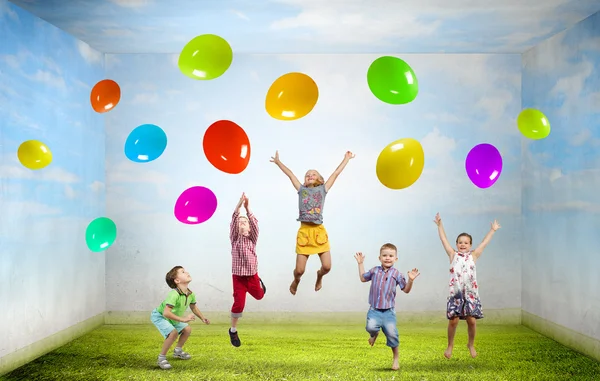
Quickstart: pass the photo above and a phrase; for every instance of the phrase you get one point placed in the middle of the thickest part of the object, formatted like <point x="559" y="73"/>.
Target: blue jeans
<point x="386" y="321"/>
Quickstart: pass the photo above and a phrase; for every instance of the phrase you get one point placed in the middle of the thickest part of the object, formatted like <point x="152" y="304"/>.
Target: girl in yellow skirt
<point x="312" y="237"/>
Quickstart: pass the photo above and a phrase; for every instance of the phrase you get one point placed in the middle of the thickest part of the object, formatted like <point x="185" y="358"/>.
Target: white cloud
<point x="582" y="137"/>
<point x="240" y="15"/>
<point x="571" y="87"/>
<point x="11" y="168"/>
<point x="5" y="9"/>
<point x="145" y="98"/>
<point x="134" y="173"/>
<point x="443" y="117"/>
<point x="26" y="208"/>
<point x="131" y="3"/>
<point x="50" y="64"/>
<point x="49" y="79"/>
<point x="111" y="61"/>
<point x="70" y="192"/>
<point x="97" y="186"/>
<point x="114" y="32"/>
<point x="92" y="56"/>
<point x="574" y="205"/>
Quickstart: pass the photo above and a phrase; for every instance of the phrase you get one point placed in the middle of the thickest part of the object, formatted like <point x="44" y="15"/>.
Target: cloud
<point x="92" y="56"/>
<point x="97" y="186"/>
<point x="565" y="206"/>
<point x="113" y="32"/>
<point x="584" y="136"/>
<point x="5" y="9"/>
<point x="11" y="168"/>
<point x="145" y="98"/>
<point x="131" y="3"/>
<point x="70" y="192"/>
<point x="127" y="172"/>
<point x="240" y="15"/>
<point x="26" y="208"/>
<point x="49" y="79"/>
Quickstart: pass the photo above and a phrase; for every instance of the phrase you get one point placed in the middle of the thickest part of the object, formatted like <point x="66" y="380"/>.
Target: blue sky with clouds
<point x="561" y="177"/>
<point x="314" y="26"/>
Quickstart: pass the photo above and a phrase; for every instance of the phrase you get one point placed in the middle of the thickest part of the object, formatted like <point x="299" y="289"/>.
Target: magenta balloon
<point x="483" y="165"/>
<point x="195" y="205"/>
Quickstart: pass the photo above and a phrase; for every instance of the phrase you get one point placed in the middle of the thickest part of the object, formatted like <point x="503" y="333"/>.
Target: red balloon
<point x="227" y="146"/>
<point x="105" y="95"/>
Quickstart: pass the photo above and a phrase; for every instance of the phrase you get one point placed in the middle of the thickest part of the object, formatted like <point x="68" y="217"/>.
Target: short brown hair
<point x="389" y="246"/>
<point x="171" y="275"/>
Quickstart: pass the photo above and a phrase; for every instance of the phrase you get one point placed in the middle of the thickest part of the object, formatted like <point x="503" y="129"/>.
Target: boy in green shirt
<point x="169" y="316"/>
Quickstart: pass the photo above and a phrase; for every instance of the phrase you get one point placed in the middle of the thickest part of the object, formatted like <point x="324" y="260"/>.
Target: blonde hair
<point x="320" y="180"/>
<point x="390" y="246"/>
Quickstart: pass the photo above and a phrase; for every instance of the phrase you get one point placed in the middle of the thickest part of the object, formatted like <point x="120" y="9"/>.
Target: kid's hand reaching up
<point x="245" y="202"/>
<point x="275" y="159"/>
<point x="360" y="258"/>
<point x="412" y="274"/>
<point x="349" y="155"/>
<point x="495" y="225"/>
<point x="437" y="219"/>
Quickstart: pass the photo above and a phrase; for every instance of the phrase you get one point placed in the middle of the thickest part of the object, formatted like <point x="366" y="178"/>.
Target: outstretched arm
<point x="252" y="221"/>
<point x="412" y="275"/>
<point x="286" y="170"/>
<point x="234" y="229"/>
<point x="488" y="237"/>
<point x="449" y="249"/>
<point x="331" y="180"/>
<point x="360" y="258"/>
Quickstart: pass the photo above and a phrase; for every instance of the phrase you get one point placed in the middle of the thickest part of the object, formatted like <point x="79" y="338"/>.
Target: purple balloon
<point x="483" y="165"/>
<point x="195" y="205"/>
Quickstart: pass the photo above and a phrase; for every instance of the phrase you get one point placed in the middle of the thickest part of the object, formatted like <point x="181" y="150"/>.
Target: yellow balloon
<point x="400" y="163"/>
<point x="292" y="96"/>
<point x="34" y="154"/>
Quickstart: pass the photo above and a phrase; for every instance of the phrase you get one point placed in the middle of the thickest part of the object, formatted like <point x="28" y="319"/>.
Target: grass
<point x="310" y="352"/>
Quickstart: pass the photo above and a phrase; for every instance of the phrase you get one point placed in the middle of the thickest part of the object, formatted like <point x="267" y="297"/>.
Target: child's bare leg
<point x="234" y="322"/>
<point x="168" y="342"/>
<point x="372" y="339"/>
<point x="185" y="334"/>
<point x="395" y="362"/>
<point x="298" y="272"/>
<point x="472" y="327"/>
<point x="452" y="324"/>
<point x="325" y="268"/>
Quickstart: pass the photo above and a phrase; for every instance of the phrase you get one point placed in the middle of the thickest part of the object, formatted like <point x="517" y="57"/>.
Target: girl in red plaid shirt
<point x="243" y="233"/>
<point x="312" y="236"/>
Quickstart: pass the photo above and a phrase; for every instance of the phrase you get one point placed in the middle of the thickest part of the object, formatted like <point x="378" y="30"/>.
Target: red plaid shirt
<point x="243" y="248"/>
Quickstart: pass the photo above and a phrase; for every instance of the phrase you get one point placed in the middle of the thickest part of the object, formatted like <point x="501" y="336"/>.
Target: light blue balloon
<point x="145" y="143"/>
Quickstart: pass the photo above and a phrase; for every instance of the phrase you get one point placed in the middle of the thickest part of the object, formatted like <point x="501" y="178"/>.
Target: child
<point x="243" y="233"/>
<point x="169" y="316"/>
<point x="382" y="296"/>
<point x="463" y="298"/>
<point x="311" y="237"/>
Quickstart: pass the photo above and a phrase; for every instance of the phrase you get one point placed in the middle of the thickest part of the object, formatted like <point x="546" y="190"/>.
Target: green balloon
<point x="533" y="124"/>
<point x="392" y="80"/>
<point x="100" y="234"/>
<point x="205" y="57"/>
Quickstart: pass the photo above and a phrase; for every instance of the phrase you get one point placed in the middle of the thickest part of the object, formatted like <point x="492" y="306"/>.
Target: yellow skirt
<point x="311" y="239"/>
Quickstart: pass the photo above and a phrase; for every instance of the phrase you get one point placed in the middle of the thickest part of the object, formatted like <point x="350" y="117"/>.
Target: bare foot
<point x="472" y="351"/>
<point x="395" y="365"/>
<point x="372" y="340"/>
<point x="294" y="286"/>
<point x="319" y="283"/>
<point x="448" y="352"/>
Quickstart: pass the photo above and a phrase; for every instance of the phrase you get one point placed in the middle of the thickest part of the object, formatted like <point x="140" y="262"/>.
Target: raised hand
<point x="360" y="258"/>
<point x="246" y="202"/>
<point x="412" y="274"/>
<point x="275" y="159"/>
<point x="495" y="225"/>
<point x="242" y="199"/>
<point x="349" y="155"/>
<point x="438" y="219"/>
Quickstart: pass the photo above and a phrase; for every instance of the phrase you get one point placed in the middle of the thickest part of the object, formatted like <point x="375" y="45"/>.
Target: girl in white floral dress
<point x="463" y="296"/>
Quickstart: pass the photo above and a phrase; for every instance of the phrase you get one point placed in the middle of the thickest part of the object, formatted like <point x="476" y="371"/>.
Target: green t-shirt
<point x="178" y="301"/>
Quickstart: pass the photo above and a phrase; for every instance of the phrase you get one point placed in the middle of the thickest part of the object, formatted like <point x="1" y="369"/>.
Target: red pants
<point x="241" y="286"/>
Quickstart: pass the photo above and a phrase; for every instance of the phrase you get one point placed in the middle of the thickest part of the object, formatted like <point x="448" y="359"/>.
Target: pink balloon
<point x="484" y="165"/>
<point x="195" y="205"/>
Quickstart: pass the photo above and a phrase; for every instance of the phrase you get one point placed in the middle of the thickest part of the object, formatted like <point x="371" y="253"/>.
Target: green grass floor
<point x="310" y="352"/>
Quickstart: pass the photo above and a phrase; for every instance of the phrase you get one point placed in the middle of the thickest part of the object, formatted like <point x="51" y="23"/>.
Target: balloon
<point x="227" y="146"/>
<point x="145" y="143"/>
<point x="292" y="96"/>
<point x="34" y="154"/>
<point x="400" y="163"/>
<point x="105" y="95"/>
<point x="205" y="57"/>
<point x="195" y="205"/>
<point x="100" y="234"/>
<point x="392" y="80"/>
<point x="533" y="124"/>
<point x="483" y="165"/>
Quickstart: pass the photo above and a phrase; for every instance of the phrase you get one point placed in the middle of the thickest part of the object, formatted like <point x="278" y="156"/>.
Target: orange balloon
<point x="227" y="146"/>
<point x="292" y="96"/>
<point x="105" y="95"/>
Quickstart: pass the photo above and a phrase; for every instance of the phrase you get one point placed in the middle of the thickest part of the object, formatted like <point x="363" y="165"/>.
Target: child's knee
<point x="299" y="271"/>
<point x="187" y="330"/>
<point x="454" y="321"/>
<point x="325" y="269"/>
<point x="471" y="321"/>
<point x="173" y="334"/>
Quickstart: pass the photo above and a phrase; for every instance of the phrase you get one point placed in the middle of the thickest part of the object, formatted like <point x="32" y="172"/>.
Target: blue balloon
<point x="145" y="143"/>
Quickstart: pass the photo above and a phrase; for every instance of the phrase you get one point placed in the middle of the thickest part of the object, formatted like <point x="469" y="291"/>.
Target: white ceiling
<point x="315" y="26"/>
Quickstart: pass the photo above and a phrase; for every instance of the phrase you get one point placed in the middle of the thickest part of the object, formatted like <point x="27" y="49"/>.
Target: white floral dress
<point x="463" y="293"/>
